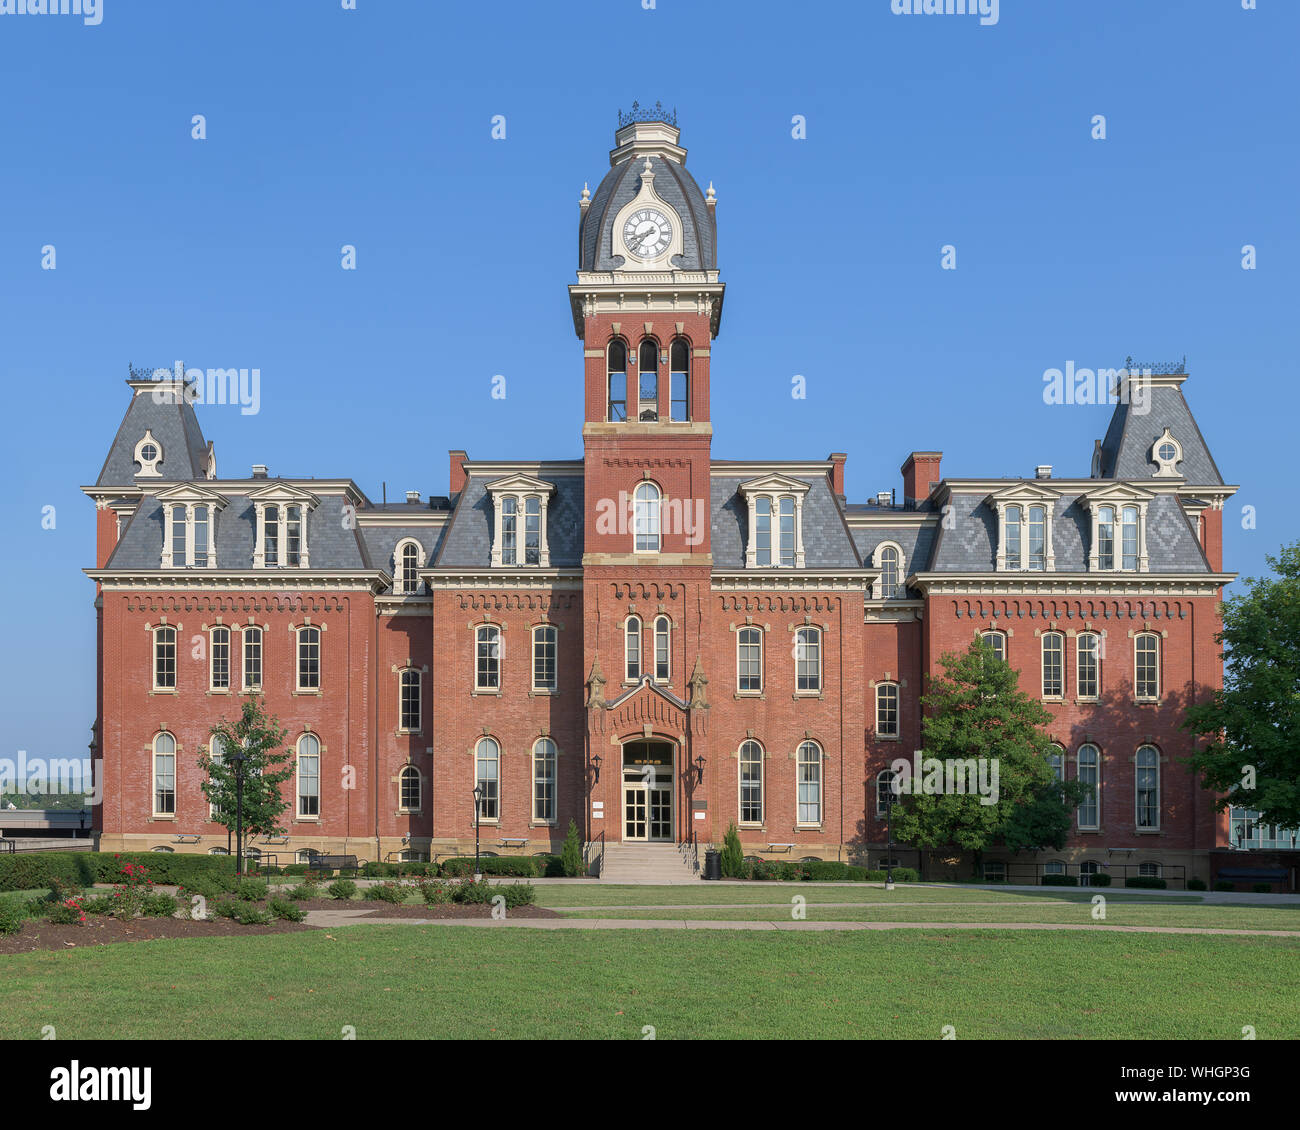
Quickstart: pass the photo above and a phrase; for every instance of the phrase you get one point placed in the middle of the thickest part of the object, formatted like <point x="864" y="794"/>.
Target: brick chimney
<point x="456" y="477"/>
<point x="837" y="459"/>
<point x="920" y="475"/>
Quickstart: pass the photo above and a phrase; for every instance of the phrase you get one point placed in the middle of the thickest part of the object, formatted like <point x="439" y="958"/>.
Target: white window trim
<point x="520" y="488"/>
<point x="985" y="632"/>
<point x="1078" y="666"/>
<point x="877" y="559"/>
<point x="1025" y="495"/>
<point x="488" y="819"/>
<point x="281" y="495"/>
<point x="192" y="498"/>
<point x="176" y="657"/>
<point x="898" y="709"/>
<point x="1166" y="468"/>
<point x="773" y="488"/>
<point x="1147" y="829"/>
<point x="1058" y="635"/>
<point x="418" y="672"/>
<point x="821" y="660"/>
<point x="1096" y="796"/>
<point x="668" y="634"/>
<point x="402" y="809"/>
<point x="230" y="658"/>
<point x="740" y="785"/>
<point x="541" y="689"/>
<point x="821" y="785"/>
<point x="297" y="777"/>
<point x="640" y="650"/>
<point x="245" y="685"/>
<point x="1159" y="661"/>
<point x="297" y="658"/>
<point x="399" y="583"/>
<point x="1118" y="496"/>
<point x="480" y="688"/>
<point x="554" y="779"/>
<point x="659" y="517"/>
<point x="153" y="776"/>
<point x="880" y="809"/>
<point x="148" y="467"/>
<point x="761" y="660"/>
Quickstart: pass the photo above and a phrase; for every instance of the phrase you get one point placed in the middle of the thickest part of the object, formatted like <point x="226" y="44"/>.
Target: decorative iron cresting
<point x="1156" y="368"/>
<point x="640" y="113"/>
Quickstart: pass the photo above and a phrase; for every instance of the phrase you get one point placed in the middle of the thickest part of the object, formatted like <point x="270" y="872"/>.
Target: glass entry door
<point x="647" y="810"/>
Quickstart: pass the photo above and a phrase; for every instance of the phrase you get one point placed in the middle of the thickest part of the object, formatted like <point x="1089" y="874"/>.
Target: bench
<point x="338" y="863"/>
<point x="781" y="847"/>
<point x="509" y="841"/>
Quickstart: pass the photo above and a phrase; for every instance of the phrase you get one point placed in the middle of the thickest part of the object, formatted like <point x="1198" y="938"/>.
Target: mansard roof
<point x="175" y="426"/>
<point x="826" y="539"/>
<point x="1135" y="427"/>
<point x="468" y="540"/>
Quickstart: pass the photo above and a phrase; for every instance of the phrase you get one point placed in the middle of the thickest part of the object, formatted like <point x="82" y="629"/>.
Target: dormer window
<point x="1024" y="528"/>
<point x="519" y="504"/>
<point x="148" y="454"/>
<point x="1118" y="541"/>
<point x="889" y="560"/>
<point x="1166" y="454"/>
<point x="281" y="518"/>
<point x="190" y="527"/>
<point x="408" y="560"/>
<point x="775" y="522"/>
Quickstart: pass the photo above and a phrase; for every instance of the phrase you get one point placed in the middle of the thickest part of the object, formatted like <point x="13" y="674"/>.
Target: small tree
<point x="267" y="765"/>
<point x="571" y="853"/>
<point x="1253" y="723"/>
<point x="732" y="859"/>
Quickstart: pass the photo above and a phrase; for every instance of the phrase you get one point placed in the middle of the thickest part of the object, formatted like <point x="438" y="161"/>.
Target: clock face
<point x="647" y="233"/>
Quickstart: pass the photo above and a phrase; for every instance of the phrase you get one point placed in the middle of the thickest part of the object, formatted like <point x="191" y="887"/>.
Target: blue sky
<point x="373" y="128"/>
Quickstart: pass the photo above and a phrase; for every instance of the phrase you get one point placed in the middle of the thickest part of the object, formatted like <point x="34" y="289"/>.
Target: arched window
<point x="997" y="641"/>
<point x="199" y="542"/>
<point x="1146" y="666"/>
<point x="808" y="660"/>
<point x="271" y="535"/>
<point x="1037" y="530"/>
<point x="308" y="777"/>
<point x="180" y="536"/>
<point x="544" y="763"/>
<point x="1150" y="870"/>
<point x="1053" y="665"/>
<point x="888" y="586"/>
<point x="763" y="530"/>
<point x="545" y="647"/>
<point x="809" y="783"/>
<point x="1054" y="867"/>
<point x="885" y="795"/>
<point x="219" y="659"/>
<point x="617" y="381"/>
<point x="1056" y="760"/>
<point x="785" y="518"/>
<point x="1087" y="869"/>
<point x="1146" y="770"/>
<point x="663" y="665"/>
<point x="1087" y="651"/>
<point x="749" y="660"/>
<point x="648" y="380"/>
<point x="1089" y="773"/>
<point x="408" y="568"/>
<point x="217" y="755"/>
<point x="1106" y="537"/>
<point x="410" y="788"/>
<point x="1129" y="538"/>
<point x="1014" y="526"/>
<point x="646" y="507"/>
<point x="252" y="658"/>
<point x="164" y="775"/>
<point x="632" y="648"/>
<point x="887" y="710"/>
<point x="487" y="658"/>
<point x="487" y="778"/>
<point x="751" y="783"/>
<point x="410" y="686"/>
<point x="164" y="658"/>
<point x="532" y="529"/>
<point x="509" y="530"/>
<point x="680" y="366"/>
<point x="309" y="658"/>
<point x="305" y="855"/>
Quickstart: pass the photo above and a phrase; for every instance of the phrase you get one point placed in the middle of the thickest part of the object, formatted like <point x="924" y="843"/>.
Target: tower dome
<point x="647" y="166"/>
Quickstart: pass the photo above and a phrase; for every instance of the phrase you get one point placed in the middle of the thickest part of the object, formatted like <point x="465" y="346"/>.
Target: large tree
<point x="267" y="765"/>
<point x="976" y="710"/>
<point x="1252" y="725"/>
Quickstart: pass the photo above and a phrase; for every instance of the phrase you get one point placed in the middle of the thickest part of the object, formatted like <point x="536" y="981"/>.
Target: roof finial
<point x="711" y="196"/>
<point x="648" y="170"/>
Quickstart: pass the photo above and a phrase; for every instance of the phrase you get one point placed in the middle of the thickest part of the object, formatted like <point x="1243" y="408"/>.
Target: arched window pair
<point x="1146" y="787"/>
<point x="808" y="783"/>
<point x="487" y="779"/>
<point x="644" y="403"/>
<point x="661" y="658"/>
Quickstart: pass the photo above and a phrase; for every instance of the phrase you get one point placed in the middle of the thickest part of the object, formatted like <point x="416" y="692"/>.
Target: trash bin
<point x="712" y="865"/>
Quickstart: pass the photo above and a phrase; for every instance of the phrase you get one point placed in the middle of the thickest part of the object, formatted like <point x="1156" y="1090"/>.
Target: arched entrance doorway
<point x="648" y="777"/>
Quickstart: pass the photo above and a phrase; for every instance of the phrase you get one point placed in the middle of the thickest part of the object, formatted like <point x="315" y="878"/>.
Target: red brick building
<point x="647" y="640"/>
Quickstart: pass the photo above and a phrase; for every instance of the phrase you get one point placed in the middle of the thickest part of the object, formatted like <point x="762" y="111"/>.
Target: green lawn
<point x="413" y="982"/>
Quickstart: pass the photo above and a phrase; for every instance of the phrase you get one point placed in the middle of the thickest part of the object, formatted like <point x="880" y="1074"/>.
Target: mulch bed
<point x="100" y="931"/>
<point x="450" y="910"/>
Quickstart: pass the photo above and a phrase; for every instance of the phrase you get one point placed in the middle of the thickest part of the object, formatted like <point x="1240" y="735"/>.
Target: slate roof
<point x="916" y="542"/>
<point x="826" y="540"/>
<point x="970" y="545"/>
<point x="176" y="428"/>
<point x="675" y="186"/>
<point x="381" y="541"/>
<point x="468" y="540"/>
<point x="330" y="544"/>
<point x="1126" y="450"/>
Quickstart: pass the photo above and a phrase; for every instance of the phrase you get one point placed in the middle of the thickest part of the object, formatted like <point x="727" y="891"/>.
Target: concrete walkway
<point x="336" y="918"/>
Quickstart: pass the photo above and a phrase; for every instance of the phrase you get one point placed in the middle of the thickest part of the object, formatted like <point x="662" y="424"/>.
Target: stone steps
<point x="645" y="863"/>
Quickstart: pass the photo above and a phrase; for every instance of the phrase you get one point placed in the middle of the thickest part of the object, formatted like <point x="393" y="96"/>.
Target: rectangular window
<point x="532" y="531"/>
<point x="545" y="646"/>
<point x="887" y="710"/>
<point x="1053" y="665"/>
<point x="662" y="654"/>
<point x="309" y="659"/>
<point x="164" y="784"/>
<point x="544" y="781"/>
<point x="808" y="660"/>
<point x="618" y="396"/>
<point x="1106" y="538"/>
<point x="1129" y="538"/>
<point x="632" y="648"/>
<point x="487" y="671"/>
<point x="200" y="554"/>
<point x="1146" y="650"/>
<point x="164" y="659"/>
<point x="293" y="535"/>
<point x="410" y="700"/>
<point x="220" y="659"/>
<point x="1089" y="774"/>
<point x="1147" y="782"/>
<point x="763" y="531"/>
<point x="810" y="784"/>
<point x="509" y="531"/>
<point x="252" y="659"/>
<point x="180" y="537"/>
<point x="1013" y="537"/>
<point x="786" y="516"/>
<point x="1037" y="538"/>
<point x="1088" y="651"/>
<point x="749" y="660"/>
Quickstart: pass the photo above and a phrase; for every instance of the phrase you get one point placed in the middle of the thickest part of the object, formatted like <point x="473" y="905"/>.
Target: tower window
<point x="679" y="407"/>
<point x="663" y="665"/>
<point x="617" y="381"/>
<point x="646" y="518"/>
<point x="632" y="648"/>
<point x="648" y="381"/>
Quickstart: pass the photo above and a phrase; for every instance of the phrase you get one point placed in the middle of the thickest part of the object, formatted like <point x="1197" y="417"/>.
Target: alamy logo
<point x="987" y="10"/>
<point x="59" y="776"/>
<point x="91" y="11"/>
<point x="75" y="1083"/>
<point x="1098" y="386"/>
<point x="929" y="776"/>
<point x="215" y="386"/>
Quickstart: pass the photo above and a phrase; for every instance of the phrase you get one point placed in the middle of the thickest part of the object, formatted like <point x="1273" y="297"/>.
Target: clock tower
<point x="647" y="305"/>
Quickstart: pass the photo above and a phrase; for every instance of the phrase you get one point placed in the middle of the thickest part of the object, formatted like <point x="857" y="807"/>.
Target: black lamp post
<point x="239" y="760"/>
<point x="595" y="764"/>
<point x="478" y="809"/>
<point x="699" y="769"/>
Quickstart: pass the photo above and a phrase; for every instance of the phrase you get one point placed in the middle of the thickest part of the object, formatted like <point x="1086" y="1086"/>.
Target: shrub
<point x="41" y="869"/>
<point x="1146" y="882"/>
<point x="468" y="891"/>
<point x="386" y="892"/>
<point x="731" y="859"/>
<point x="1196" y="884"/>
<point x="163" y="867"/>
<point x="209" y="886"/>
<point x="97" y="904"/>
<point x="571" y="854"/>
<point x="66" y="913"/>
<point x="1224" y="885"/>
<point x="305" y="891"/>
<point x="222" y="908"/>
<point x="518" y="894"/>
<point x="1101" y="879"/>
<point x="158" y="905"/>
<point x="518" y="866"/>
<point x="1262" y="888"/>
<point x="1060" y="880"/>
<point x="827" y="870"/>
<point x="283" y="908"/>
<point x="296" y="869"/>
<point x="342" y="889"/>
<point x="434" y="892"/>
<point x="251" y="890"/>
<point x="250" y="914"/>
<point x="11" y="916"/>
<point x="378" y="870"/>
